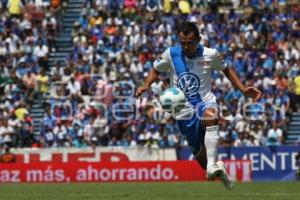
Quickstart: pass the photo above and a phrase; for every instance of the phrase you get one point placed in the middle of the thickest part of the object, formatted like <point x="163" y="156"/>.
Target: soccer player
<point x="190" y="65"/>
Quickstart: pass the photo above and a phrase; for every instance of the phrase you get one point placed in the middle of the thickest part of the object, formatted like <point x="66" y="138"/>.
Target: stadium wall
<point x="144" y="164"/>
<point x="267" y="163"/>
<point x="143" y="171"/>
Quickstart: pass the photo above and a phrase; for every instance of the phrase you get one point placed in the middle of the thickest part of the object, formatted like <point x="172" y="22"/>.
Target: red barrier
<point x="102" y="172"/>
<point x="107" y="172"/>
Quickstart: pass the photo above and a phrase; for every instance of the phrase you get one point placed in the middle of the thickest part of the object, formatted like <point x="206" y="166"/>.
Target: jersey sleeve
<point x="163" y="63"/>
<point x="218" y="62"/>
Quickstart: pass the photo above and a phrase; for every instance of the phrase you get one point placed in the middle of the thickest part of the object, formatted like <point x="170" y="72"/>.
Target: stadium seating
<point x="108" y="47"/>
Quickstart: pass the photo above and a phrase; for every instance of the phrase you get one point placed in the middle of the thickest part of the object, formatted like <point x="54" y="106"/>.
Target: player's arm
<point x="160" y="65"/>
<point x="251" y="92"/>
<point x="231" y="74"/>
<point x="219" y="64"/>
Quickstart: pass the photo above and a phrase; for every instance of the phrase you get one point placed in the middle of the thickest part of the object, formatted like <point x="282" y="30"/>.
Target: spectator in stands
<point x="15" y="7"/>
<point x="297" y="91"/>
<point x="7" y="156"/>
<point x="6" y="133"/>
<point x="152" y="132"/>
<point x="56" y="8"/>
<point x="29" y="80"/>
<point x="275" y="135"/>
<point x="41" y="52"/>
<point x="152" y="5"/>
<point x="101" y="128"/>
<point x="42" y="82"/>
<point x="49" y="137"/>
<point x="50" y="25"/>
<point x="164" y="142"/>
<point x="114" y="142"/>
<point x="21" y="112"/>
<point x="184" y="7"/>
<point x="26" y="134"/>
<point x="74" y="87"/>
<point x="151" y="143"/>
<point x="60" y="132"/>
<point x="130" y="7"/>
<point x="79" y="140"/>
<point x="128" y="141"/>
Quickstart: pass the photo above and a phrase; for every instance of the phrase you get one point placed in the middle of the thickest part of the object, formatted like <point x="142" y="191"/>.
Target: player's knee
<point x="211" y="117"/>
<point x="213" y="122"/>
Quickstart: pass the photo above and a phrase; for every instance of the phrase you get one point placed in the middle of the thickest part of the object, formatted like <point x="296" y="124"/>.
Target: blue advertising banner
<point x="276" y="163"/>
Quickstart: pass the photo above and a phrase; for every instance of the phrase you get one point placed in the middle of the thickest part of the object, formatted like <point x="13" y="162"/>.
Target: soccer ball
<point x="172" y="99"/>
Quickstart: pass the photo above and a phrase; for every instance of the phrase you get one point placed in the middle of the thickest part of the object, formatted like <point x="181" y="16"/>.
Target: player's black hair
<point x="189" y="27"/>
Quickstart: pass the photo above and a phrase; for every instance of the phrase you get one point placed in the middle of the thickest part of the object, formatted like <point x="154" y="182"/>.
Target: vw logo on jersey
<point x="189" y="83"/>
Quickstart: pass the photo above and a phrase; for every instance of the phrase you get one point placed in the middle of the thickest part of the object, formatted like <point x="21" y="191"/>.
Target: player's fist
<point x="253" y="93"/>
<point x="140" y="91"/>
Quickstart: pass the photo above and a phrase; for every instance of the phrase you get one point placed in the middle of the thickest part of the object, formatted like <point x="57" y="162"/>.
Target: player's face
<point x="189" y="43"/>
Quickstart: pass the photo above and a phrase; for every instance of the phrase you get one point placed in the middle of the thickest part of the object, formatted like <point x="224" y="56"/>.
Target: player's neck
<point x="191" y="56"/>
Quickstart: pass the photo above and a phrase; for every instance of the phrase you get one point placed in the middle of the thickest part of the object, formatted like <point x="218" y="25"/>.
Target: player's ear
<point x="199" y="38"/>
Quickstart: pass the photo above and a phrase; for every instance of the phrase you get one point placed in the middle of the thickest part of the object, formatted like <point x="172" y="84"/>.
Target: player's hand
<point x="253" y="93"/>
<point x="140" y="91"/>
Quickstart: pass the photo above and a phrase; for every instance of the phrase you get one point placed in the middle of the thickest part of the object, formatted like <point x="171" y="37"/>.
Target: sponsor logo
<point x="189" y="83"/>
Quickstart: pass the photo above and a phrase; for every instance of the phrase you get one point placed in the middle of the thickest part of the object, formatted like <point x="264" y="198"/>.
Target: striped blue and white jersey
<point x="191" y="75"/>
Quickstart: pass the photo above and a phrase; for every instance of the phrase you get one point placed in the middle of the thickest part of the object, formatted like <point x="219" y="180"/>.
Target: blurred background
<point x="69" y="69"/>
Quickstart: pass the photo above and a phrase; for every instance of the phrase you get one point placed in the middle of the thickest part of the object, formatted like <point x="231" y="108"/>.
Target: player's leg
<point x="194" y="134"/>
<point x="201" y="158"/>
<point x="200" y="142"/>
<point x="210" y="125"/>
<point x="214" y="167"/>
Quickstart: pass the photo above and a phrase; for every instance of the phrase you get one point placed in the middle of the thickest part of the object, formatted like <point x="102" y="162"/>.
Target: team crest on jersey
<point x="189" y="83"/>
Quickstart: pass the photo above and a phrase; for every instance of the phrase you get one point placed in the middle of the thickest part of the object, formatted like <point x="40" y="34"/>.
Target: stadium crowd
<point x="115" y="42"/>
<point x="27" y="32"/>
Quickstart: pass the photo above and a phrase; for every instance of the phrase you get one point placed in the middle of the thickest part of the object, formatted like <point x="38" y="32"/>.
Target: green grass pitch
<point x="152" y="191"/>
